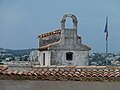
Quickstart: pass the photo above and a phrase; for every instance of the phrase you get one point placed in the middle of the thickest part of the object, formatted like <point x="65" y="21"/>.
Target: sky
<point x="21" y="21"/>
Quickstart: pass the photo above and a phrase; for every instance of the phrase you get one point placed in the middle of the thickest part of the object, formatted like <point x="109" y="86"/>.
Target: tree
<point x="118" y="59"/>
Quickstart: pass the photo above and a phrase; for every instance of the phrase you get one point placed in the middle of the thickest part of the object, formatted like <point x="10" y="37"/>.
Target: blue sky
<point x="21" y="21"/>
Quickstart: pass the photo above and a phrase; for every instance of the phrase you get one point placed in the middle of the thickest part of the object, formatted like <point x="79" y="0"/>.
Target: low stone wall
<point x="57" y="85"/>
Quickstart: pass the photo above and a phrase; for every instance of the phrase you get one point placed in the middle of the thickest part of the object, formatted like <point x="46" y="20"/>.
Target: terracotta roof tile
<point x="15" y="72"/>
<point x="50" y="33"/>
<point x="61" y="73"/>
<point x="9" y="72"/>
<point x="20" y="72"/>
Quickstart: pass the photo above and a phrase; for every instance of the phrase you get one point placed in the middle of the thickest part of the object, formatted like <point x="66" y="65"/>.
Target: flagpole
<point x="106" y="27"/>
<point x="106" y="47"/>
<point x="106" y="31"/>
<point x="106" y="52"/>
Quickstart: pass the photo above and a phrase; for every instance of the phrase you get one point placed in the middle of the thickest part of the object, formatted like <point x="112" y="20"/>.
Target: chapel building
<point x="63" y="47"/>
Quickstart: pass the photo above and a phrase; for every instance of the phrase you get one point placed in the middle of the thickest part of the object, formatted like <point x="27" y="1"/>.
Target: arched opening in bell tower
<point x="69" y="23"/>
<point x="67" y="16"/>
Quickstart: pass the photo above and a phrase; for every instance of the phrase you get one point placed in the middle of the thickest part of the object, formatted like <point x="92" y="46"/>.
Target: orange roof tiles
<point x="49" y="33"/>
<point x="62" y="73"/>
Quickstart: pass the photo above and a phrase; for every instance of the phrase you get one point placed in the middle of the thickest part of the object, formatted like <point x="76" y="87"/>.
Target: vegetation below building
<point x="96" y="59"/>
<point x="12" y="55"/>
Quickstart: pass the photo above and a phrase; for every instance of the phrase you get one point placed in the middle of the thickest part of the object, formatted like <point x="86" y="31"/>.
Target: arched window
<point x="69" y="56"/>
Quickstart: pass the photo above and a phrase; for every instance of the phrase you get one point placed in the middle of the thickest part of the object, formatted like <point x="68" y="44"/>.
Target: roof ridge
<point x="49" y="33"/>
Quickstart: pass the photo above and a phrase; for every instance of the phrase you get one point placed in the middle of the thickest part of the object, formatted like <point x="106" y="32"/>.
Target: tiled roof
<point x="49" y="33"/>
<point x="63" y="73"/>
<point x="3" y="68"/>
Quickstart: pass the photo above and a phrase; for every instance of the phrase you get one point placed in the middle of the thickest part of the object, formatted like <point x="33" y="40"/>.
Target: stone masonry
<point x="63" y="47"/>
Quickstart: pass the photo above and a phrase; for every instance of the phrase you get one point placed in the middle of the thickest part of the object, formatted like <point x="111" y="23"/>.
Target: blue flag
<point x="106" y="29"/>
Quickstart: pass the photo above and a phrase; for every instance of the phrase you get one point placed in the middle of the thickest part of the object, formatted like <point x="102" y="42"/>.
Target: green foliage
<point x="118" y="59"/>
<point x="98" y="59"/>
<point x="12" y="54"/>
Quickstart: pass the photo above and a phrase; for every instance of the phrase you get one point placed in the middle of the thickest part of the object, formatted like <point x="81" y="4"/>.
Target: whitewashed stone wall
<point x="80" y="58"/>
<point x="47" y="58"/>
<point x="69" y="42"/>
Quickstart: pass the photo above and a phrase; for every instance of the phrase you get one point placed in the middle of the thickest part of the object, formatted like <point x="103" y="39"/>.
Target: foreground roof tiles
<point x="63" y="73"/>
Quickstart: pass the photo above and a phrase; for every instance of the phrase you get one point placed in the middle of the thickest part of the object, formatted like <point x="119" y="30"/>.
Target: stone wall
<point x="47" y="58"/>
<point x="57" y="85"/>
<point x="80" y="58"/>
<point x="49" y="39"/>
<point x="69" y="41"/>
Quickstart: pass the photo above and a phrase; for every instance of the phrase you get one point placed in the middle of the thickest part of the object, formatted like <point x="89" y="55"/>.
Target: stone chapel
<point x="63" y="47"/>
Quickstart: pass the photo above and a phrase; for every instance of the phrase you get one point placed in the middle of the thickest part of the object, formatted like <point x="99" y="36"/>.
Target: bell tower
<point x="69" y="36"/>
